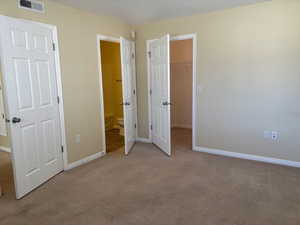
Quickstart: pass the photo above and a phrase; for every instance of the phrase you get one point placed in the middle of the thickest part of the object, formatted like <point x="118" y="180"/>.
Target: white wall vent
<point x="32" y="5"/>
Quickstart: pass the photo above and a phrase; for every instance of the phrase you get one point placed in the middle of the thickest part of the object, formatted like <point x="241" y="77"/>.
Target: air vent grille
<point x="32" y="5"/>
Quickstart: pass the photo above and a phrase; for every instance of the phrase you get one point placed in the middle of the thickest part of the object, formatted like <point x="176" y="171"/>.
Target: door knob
<point x="16" y="120"/>
<point x="166" y="103"/>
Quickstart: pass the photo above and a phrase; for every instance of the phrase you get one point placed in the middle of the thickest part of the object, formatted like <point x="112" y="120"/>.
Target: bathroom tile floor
<point x="6" y="173"/>
<point x="114" y="141"/>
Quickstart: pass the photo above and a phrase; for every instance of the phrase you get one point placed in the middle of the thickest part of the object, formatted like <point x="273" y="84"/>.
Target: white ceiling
<point x="143" y="11"/>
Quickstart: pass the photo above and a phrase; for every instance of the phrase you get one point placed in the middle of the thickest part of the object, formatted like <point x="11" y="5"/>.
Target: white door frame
<point x="59" y="87"/>
<point x="99" y="38"/>
<point x="194" y="121"/>
<point x="148" y="42"/>
<point x="3" y="131"/>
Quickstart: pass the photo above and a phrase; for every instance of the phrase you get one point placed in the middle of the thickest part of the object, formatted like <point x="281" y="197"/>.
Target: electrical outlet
<point x="274" y="135"/>
<point x="77" y="138"/>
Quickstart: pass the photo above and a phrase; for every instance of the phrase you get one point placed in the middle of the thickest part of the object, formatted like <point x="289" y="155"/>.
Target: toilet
<point x="120" y="124"/>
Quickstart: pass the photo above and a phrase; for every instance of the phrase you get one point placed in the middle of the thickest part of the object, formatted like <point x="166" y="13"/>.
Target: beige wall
<point x="181" y="56"/>
<point x="77" y="31"/>
<point x="112" y="79"/>
<point x="248" y="76"/>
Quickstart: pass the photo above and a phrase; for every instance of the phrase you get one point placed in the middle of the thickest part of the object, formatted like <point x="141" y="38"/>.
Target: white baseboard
<point x="144" y="140"/>
<point x="182" y="126"/>
<point x="5" y="149"/>
<point x="282" y="162"/>
<point x="85" y="160"/>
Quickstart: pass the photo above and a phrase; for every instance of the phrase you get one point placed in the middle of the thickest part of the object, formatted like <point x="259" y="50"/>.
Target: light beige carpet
<point x="149" y="188"/>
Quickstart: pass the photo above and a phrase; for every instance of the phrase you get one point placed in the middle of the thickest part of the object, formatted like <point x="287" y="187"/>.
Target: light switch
<point x="274" y="135"/>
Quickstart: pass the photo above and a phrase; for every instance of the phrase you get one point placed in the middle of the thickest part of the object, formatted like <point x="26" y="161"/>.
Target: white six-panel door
<point x="28" y="65"/>
<point x="159" y="59"/>
<point x="129" y="92"/>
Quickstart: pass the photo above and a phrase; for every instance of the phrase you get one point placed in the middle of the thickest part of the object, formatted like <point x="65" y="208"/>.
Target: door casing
<point x="99" y="38"/>
<point x="194" y="119"/>
<point x="59" y="89"/>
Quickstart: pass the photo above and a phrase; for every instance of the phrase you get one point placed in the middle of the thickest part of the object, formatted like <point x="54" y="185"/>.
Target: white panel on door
<point x="24" y="83"/>
<point x="48" y="139"/>
<point x="19" y="38"/>
<point x="30" y="148"/>
<point x="40" y="43"/>
<point x="29" y="73"/>
<point x="43" y="74"/>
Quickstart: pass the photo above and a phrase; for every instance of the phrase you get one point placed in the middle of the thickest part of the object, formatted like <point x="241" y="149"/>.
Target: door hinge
<point x="132" y="55"/>
<point x="53" y="46"/>
<point x="150" y="91"/>
<point x="151" y="127"/>
<point x="135" y="125"/>
<point x="149" y="54"/>
<point x="134" y="91"/>
<point x="62" y="149"/>
<point x="58" y="100"/>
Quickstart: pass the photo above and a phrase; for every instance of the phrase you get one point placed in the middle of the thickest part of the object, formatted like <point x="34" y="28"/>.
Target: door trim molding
<point x="148" y="42"/>
<point x="192" y="36"/>
<point x="194" y="121"/>
<point x="99" y="38"/>
<point x="60" y="94"/>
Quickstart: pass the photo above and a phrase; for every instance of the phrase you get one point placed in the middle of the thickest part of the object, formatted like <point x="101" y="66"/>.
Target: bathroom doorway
<point x="112" y="95"/>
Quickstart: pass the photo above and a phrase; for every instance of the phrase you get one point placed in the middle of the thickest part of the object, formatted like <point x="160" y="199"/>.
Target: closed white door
<point x="28" y="63"/>
<point x="159" y="53"/>
<point x="129" y="92"/>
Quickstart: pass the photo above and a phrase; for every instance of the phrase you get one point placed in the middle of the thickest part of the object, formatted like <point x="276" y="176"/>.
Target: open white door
<point x="29" y="72"/>
<point x="159" y="59"/>
<point x="129" y="92"/>
<point x="3" y="131"/>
